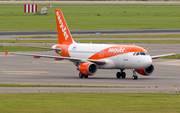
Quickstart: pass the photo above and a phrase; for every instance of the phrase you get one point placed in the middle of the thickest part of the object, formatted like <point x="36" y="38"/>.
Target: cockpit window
<point x="136" y="53"/>
<point x="140" y="53"/>
<point x="147" y="53"/>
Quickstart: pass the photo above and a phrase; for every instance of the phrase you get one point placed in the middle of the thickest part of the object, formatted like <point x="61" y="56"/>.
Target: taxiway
<point x="26" y="70"/>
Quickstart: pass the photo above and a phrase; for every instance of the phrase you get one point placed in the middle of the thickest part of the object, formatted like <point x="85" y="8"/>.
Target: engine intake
<point x="146" y="71"/>
<point x="88" y="68"/>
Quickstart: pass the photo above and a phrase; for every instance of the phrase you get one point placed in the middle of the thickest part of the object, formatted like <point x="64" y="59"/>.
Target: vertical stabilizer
<point x="64" y="35"/>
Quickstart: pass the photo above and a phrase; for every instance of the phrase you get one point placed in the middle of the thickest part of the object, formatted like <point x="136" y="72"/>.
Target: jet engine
<point x="146" y="71"/>
<point x="87" y="68"/>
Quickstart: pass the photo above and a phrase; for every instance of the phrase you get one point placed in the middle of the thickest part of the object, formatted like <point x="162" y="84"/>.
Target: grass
<point x="131" y="36"/>
<point x="93" y="41"/>
<point x="18" y="85"/>
<point x="130" y="41"/>
<point x="115" y="36"/>
<point x="39" y="37"/>
<point x="89" y="103"/>
<point x="172" y="57"/>
<point x="69" y="4"/>
<point x="29" y="41"/>
<point x="12" y="18"/>
<point x="19" y="48"/>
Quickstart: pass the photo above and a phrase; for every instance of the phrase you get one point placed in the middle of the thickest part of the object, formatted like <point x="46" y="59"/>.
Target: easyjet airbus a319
<point x="90" y="57"/>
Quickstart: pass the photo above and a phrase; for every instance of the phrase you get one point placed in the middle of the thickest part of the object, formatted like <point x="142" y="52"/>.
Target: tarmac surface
<point x="44" y="71"/>
<point x="91" y="32"/>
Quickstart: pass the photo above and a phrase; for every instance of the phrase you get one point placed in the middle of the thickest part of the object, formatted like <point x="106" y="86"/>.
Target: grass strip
<point x="130" y="41"/>
<point x="39" y="37"/>
<point x="93" y="41"/>
<point x="171" y="57"/>
<point x="89" y="103"/>
<point x="19" y="85"/>
<point x="28" y="41"/>
<point x="20" y="48"/>
<point x="99" y="4"/>
<point x="115" y="36"/>
<point x="12" y="18"/>
<point x="131" y="36"/>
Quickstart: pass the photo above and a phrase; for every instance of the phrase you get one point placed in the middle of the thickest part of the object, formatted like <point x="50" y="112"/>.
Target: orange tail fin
<point x="64" y="35"/>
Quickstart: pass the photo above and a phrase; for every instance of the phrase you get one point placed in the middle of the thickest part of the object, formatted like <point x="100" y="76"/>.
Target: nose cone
<point x="147" y="61"/>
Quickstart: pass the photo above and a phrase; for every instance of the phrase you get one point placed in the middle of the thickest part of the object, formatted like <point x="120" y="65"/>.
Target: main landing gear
<point x="82" y="75"/>
<point x="121" y="74"/>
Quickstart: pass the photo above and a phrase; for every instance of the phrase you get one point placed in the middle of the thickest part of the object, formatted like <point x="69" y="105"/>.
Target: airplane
<point x="88" y="58"/>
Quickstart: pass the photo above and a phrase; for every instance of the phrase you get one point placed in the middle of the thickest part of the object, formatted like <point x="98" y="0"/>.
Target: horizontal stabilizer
<point x="5" y="52"/>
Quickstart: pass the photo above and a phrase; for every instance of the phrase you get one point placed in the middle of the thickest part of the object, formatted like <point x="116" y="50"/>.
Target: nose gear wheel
<point x="135" y="77"/>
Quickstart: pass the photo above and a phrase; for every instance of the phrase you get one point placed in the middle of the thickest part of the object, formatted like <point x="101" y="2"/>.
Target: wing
<point x="98" y="62"/>
<point x="59" y="49"/>
<point x="157" y="56"/>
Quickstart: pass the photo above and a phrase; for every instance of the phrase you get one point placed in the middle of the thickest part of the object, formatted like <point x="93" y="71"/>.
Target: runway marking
<point x="24" y="72"/>
<point x="172" y="62"/>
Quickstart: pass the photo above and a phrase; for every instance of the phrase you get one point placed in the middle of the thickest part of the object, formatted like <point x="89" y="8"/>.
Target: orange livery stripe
<point x="116" y="50"/>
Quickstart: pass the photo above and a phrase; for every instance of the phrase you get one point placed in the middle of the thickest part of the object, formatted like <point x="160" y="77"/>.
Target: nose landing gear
<point x="135" y="77"/>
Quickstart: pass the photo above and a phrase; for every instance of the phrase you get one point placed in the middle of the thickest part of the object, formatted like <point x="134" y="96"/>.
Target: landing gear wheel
<point x="81" y="75"/>
<point x="85" y="76"/>
<point x="135" y="77"/>
<point x="118" y="74"/>
<point x="123" y="75"/>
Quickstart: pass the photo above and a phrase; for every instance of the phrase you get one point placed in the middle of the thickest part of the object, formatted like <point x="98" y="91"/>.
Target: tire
<point x="118" y="74"/>
<point x="86" y="76"/>
<point x="135" y="77"/>
<point x="81" y="75"/>
<point x="123" y="75"/>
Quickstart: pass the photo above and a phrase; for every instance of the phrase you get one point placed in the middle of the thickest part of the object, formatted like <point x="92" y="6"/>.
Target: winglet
<point x="5" y="52"/>
<point x="173" y="53"/>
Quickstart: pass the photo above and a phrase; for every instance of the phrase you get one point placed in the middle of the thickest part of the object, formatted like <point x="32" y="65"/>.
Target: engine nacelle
<point x="146" y="71"/>
<point x="88" y="68"/>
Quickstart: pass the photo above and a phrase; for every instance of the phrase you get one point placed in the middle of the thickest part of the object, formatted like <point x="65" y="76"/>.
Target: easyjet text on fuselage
<point x="116" y="50"/>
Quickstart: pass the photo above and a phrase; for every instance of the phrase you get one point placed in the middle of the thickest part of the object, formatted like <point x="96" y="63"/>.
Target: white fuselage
<point x="116" y="56"/>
